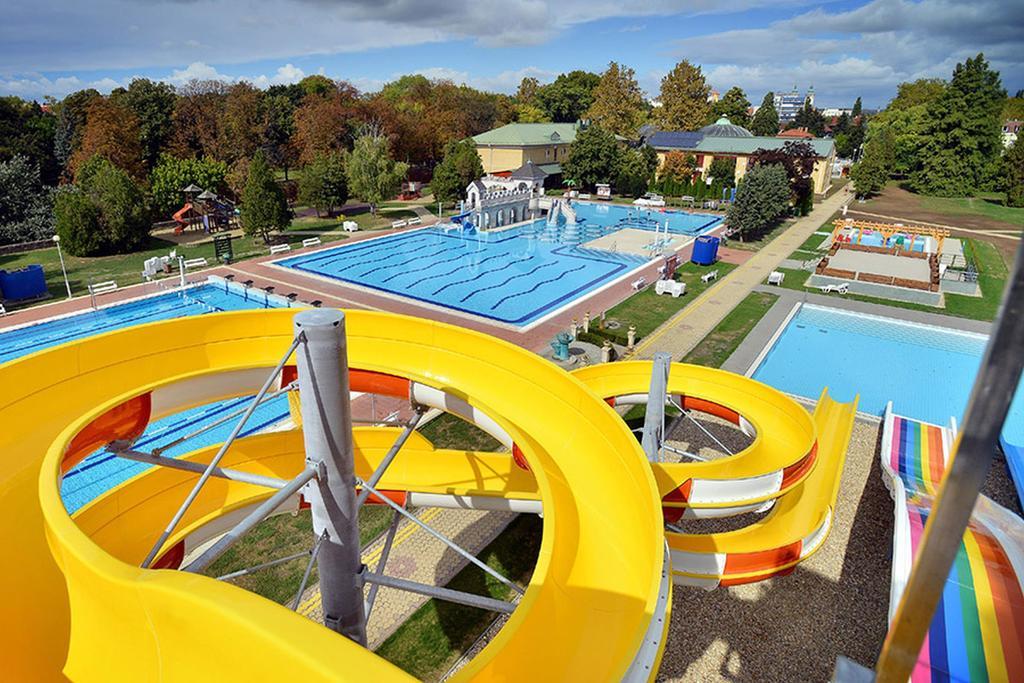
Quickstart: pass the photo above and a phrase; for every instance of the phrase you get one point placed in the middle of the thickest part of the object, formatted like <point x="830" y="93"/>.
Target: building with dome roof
<point x="724" y="139"/>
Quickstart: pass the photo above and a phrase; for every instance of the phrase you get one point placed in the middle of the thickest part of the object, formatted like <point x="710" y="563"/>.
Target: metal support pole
<point x="252" y="519"/>
<point x="460" y="597"/>
<point x="220" y="455"/>
<point x="382" y="563"/>
<point x="313" y="554"/>
<point x="989" y="403"/>
<point x="263" y="565"/>
<point x="322" y="362"/>
<point x="654" y="419"/>
<point x="199" y="468"/>
<point x="410" y="427"/>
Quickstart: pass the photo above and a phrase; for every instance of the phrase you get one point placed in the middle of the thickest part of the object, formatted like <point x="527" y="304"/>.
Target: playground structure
<point x="896" y="237"/>
<point x="895" y="256"/>
<point x="204" y="210"/>
<point x="90" y="611"/>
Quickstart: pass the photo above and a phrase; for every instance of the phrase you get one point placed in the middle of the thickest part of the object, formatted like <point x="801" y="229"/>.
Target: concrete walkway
<point x="687" y="328"/>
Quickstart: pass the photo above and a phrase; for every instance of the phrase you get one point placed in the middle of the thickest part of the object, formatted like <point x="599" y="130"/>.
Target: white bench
<point x="311" y="242"/>
<point x="639" y="283"/>
<point x="102" y="287"/>
<point x="670" y="287"/>
<point x="350" y="226"/>
<point x="708" y="277"/>
<point x="840" y="289"/>
<point x="585" y="196"/>
<point x="776" y="278"/>
<point x="191" y="263"/>
<point x="280" y="248"/>
<point x="416" y="220"/>
<point x="398" y="224"/>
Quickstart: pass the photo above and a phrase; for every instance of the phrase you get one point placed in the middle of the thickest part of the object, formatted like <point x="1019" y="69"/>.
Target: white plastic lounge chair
<point x="639" y="283"/>
<point x="3" y="311"/>
<point x="150" y="267"/>
<point x="839" y="289"/>
<point x="350" y="226"/>
<point x="776" y="278"/>
<point x="670" y="287"/>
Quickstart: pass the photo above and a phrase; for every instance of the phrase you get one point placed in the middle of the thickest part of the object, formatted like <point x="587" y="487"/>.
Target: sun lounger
<point x="670" y="287"/>
<point x="350" y="226"/>
<point x="280" y="248"/>
<point x="840" y="289"/>
<point x="708" y="277"/>
<point x="639" y="283"/>
<point x="776" y="278"/>
<point x="311" y="242"/>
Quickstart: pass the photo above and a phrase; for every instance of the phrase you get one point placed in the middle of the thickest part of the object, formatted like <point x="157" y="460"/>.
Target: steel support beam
<point x="263" y="565"/>
<point x="654" y="418"/>
<point x="375" y="477"/>
<point x="440" y="593"/>
<point x="382" y="563"/>
<point x="199" y="468"/>
<point x="322" y="361"/>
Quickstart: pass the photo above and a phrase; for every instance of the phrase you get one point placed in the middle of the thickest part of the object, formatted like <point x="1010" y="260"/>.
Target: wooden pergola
<point x="889" y="229"/>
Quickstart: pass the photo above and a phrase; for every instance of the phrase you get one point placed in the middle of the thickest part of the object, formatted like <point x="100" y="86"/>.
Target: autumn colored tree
<point x="152" y="102"/>
<point x="322" y="125"/>
<point x="70" y="113"/>
<point x="684" y="99"/>
<point x="112" y="132"/>
<point x="618" y="102"/>
<point x="678" y="166"/>
<point x="243" y="123"/>
<point x="527" y="91"/>
<point x="198" y="114"/>
<point x="797" y="159"/>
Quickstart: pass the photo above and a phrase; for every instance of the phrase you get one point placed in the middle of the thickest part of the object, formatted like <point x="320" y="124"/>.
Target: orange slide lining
<point x="124" y="421"/>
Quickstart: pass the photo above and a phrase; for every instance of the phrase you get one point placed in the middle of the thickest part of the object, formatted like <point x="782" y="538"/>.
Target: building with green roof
<point x="510" y="147"/>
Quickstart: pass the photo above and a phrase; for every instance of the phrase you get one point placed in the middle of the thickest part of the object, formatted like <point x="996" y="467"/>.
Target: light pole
<point x="60" y="254"/>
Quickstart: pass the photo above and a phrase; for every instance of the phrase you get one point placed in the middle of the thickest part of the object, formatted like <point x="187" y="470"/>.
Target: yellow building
<point x="511" y="146"/>
<point x="722" y="139"/>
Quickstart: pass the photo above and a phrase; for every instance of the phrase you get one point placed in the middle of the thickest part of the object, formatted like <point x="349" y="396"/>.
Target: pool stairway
<point x="978" y="625"/>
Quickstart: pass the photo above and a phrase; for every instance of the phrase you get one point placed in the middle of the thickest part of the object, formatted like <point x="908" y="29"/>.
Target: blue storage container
<point x="19" y="285"/>
<point x="705" y="250"/>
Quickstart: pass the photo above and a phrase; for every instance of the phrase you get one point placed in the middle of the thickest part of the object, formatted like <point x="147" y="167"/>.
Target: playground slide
<point x="588" y="613"/>
<point x="1015" y="463"/>
<point x="978" y="625"/>
<point x="180" y="213"/>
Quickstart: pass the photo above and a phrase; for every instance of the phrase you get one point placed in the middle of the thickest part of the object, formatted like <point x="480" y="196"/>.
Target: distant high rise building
<point x="788" y="104"/>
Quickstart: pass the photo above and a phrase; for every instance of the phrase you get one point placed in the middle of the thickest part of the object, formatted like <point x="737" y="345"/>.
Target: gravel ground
<point x="792" y="628"/>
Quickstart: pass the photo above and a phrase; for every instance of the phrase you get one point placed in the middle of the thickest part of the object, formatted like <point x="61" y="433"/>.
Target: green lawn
<point x="449" y="431"/>
<point x="430" y="641"/>
<point x="648" y="310"/>
<point x="754" y="245"/>
<point x="722" y="341"/>
<point x="989" y="206"/>
<point x="126" y="269"/>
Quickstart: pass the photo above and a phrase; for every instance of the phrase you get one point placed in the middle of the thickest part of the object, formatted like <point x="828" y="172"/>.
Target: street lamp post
<point x="60" y="254"/>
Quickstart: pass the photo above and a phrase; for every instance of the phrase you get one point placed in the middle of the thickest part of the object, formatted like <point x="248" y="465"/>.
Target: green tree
<point x="278" y="129"/>
<point x="766" y="119"/>
<point x="26" y="130"/>
<point x="153" y="106"/>
<point x="810" y="118"/>
<point x="323" y="184"/>
<point x="460" y="166"/>
<point x="869" y="176"/>
<point x="373" y="175"/>
<point x="1013" y="109"/>
<point x="762" y="198"/>
<point x="857" y="108"/>
<point x="797" y="159"/>
<point x="684" y="99"/>
<point x="678" y="167"/>
<point x="105" y="212"/>
<point x="618" y="102"/>
<point x="923" y="91"/>
<point x="734" y="106"/>
<point x="172" y="174"/>
<point x="26" y="205"/>
<point x="568" y="98"/>
<point x="527" y="113"/>
<point x="1013" y="180"/>
<point x="723" y="169"/>
<point x="593" y="157"/>
<point x="264" y="207"/>
<point x="70" y="113"/>
<point x="633" y="174"/>
<point x="527" y="91"/>
<point x="962" y="133"/>
<point x="317" y="84"/>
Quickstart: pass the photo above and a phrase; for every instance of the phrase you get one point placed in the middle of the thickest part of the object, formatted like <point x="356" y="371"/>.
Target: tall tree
<point x="173" y="174"/>
<point x="527" y="91"/>
<point x="1013" y="165"/>
<point x="678" y="167"/>
<point x="323" y="184"/>
<point x="762" y="198"/>
<point x="923" y="91"/>
<point x="264" y="207"/>
<point x="869" y="176"/>
<point x="26" y="205"/>
<point x="243" y="121"/>
<point x="112" y="132"/>
<point x="569" y="97"/>
<point x="857" y="108"/>
<point x="71" y="112"/>
<point x="105" y="212"/>
<point x="962" y="134"/>
<point x="593" y="157"/>
<point x="322" y="125"/>
<point x="633" y="174"/>
<point x="153" y="106"/>
<point x="461" y="166"/>
<point x="684" y="99"/>
<point x="26" y="130"/>
<point x="734" y="106"/>
<point x="317" y="84"/>
<point x="618" y="102"/>
<point x="723" y="169"/>
<point x="809" y="118"/>
<point x="797" y="159"/>
<point x="766" y="119"/>
<point x="527" y="113"/>
<point x="278" y="129"/>
<point x="373" y="175"/>
<point x="198" y="115"/>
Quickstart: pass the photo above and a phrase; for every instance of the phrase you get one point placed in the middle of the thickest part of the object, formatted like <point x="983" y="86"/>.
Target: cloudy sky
<point x="844" y="48"/>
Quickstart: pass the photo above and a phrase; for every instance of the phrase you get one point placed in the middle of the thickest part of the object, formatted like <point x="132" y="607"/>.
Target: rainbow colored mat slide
<point x="977" y="631"/>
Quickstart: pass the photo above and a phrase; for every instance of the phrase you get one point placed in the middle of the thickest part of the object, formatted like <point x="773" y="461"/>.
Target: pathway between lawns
<point x="681" y="333"/>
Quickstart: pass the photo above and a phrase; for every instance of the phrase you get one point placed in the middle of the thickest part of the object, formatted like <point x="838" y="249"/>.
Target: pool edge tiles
<point x="620" y="268"/>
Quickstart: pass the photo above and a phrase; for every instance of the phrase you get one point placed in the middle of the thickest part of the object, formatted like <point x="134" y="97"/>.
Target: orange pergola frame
<point x="890" y="229"/>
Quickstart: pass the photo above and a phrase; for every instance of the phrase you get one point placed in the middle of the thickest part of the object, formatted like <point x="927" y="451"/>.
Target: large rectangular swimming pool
<point x="516" y="276"/>
<point x="926" y="371"/>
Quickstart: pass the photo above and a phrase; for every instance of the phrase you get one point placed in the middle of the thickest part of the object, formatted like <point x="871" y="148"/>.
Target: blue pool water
<point x="206" y="298"/>
<point x="514" y="276"/>
<point x="615" y="217"/>
<point x="927" y="372"/>
<point x="875" y="239"/>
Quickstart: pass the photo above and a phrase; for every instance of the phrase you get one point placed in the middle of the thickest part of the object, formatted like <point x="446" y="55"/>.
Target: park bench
<point x="101" y="288"/>
<point x="311" y="242"/>
<point x="708" y="277"/>
<point x="191" y="263"/>
<point x="415" y="220"/>
<point x="280" y="248"/>
<point x="398" y="224"/>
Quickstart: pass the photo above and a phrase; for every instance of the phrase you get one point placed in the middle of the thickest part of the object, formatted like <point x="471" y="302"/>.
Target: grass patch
<point x="722" y="341"/>
<point x="280" y="536"/>
<point x="449" y="431"/>
<point x="990" y="207"/>
<point x="648" y="311"/>
<point x="430" y="641"/>
<point x="756" y="244"/>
